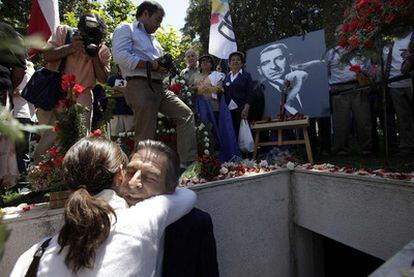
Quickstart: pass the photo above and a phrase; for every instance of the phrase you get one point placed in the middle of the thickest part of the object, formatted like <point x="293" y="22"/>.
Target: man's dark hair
<point x="173" y="161"/>
<point x="285" y="51"/>
<point x="150" y="6"/>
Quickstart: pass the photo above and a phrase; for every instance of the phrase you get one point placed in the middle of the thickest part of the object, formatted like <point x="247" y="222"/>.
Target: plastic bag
<point x="246" y="142"/>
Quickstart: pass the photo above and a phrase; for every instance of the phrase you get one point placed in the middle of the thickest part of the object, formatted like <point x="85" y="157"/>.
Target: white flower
<point x="185" y="88"/>
<point x="290" y="165"/>
<point x="201" y="126"/>
<point x="205" y="133"/>
<point x="130" y="134"/>
<point x="188" y="94"/>
<point x="182" y="81"/>
<point x="206" y="152"/>
<point x="172" y="130"/>
<point x="189" y="102"/>
<point x="157" y="131"/>
<point x="159" y="122"/>
<point x="207" y="144"/>
<point x="224" y="170"/>
<point x="121" y="135"/>
<point x="167" y="131"/>
<point x="206" y="139"/>
<point x="263" y="163"/>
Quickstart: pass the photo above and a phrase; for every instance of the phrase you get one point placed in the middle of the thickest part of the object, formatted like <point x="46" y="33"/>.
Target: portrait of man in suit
<point x="276" y="67"/>
<point x="299" y="60"/>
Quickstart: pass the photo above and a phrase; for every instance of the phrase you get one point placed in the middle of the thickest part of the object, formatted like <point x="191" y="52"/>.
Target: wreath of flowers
<point x="368" y="22"/>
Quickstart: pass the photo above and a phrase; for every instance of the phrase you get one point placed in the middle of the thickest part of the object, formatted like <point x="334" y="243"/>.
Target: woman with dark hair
<point x="238" y="90"/>
<point x="211" y="107"/>
<point x="101" y="238"/>
<point x="208" y="83"/>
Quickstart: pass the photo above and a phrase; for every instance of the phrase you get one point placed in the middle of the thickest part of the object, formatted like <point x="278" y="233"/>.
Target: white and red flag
<point x="44" y="18"/>
<point x="222" y="41"/>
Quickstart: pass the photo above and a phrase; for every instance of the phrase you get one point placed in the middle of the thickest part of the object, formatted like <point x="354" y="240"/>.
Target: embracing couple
<point x="115" y="221"/>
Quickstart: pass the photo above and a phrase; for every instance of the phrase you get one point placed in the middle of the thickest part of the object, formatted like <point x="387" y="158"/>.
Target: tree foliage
<point x="259" y="22"/>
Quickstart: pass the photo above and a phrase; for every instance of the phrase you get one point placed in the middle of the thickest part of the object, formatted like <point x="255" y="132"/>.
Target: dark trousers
<point x="22" y="148"/>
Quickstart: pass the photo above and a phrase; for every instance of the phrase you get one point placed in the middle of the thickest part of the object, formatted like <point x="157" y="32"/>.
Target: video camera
<point x="166" y="61"/>
<point x="90" y="34"/>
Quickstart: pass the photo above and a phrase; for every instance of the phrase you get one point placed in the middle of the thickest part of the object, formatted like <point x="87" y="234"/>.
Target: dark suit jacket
<point x="190" y="247"/>
<point x="240" y="90"/>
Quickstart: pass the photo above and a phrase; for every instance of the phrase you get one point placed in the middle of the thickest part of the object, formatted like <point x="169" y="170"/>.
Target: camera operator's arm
<point x="59" y="49"/>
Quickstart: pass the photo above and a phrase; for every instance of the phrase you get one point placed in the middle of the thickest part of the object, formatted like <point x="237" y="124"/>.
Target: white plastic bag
<point x="246" y="142"/>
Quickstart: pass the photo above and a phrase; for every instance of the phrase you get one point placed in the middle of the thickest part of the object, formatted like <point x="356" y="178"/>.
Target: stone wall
<point x="250" y="217"/>
<point x="263" y="223"/>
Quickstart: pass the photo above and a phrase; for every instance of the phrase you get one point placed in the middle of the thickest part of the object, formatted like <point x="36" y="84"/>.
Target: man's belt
<point x="142" y="78"/>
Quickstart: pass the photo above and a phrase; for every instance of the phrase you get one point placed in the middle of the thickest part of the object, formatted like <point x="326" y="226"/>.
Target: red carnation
<point x="96" y="133"/>
<point x="344" y="28"/>
<point x="355" y="68"/>
<point x="68" y="80"/>
<point x="353" y="41"/>
<point x="78" y="89"/>
<point x="387" y="18"/>
<point x="176" y="88"/>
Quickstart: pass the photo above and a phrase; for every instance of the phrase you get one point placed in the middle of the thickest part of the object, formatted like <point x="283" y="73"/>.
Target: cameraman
<point x="135" y="46"/>
<point x="86" y="57"/>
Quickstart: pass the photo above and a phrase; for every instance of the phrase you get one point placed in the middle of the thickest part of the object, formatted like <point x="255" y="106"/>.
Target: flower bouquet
<point x="369" y="22"/>
<point x="47" y="175"/>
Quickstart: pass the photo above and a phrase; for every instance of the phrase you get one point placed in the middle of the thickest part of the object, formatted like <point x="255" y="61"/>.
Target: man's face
<point x="145" y="176"/>
<point x="273" y="65"/>
<point x="153" y="22"/>
<point x="191" y="59"/>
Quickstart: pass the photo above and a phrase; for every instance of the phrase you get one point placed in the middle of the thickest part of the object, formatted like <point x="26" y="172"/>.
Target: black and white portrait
<point x="299" y="61"/>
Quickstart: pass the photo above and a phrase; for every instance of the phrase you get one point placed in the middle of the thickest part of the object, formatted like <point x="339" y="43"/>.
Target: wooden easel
<point x="302" y="124"/>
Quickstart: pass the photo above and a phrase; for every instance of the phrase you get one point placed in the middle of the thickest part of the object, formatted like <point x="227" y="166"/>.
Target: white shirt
<point x="131" y="44"/>
<point x="234" y="76"/>
<point x="339" y="72"/>
<point x="396" y="61"/>
<point x="22" y="108"/>
<point x="131" y="247"/>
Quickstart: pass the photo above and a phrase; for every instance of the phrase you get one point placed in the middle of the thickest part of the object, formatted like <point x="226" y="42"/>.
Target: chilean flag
<point x="44" y="18"/>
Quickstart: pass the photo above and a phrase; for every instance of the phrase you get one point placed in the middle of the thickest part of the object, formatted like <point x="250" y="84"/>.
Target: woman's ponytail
<point x="87" y="226"/>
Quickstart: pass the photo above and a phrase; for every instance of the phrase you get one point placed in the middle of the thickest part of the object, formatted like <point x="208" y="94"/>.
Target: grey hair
<point x="283" y="47"/>
<point x="173" y="161"/>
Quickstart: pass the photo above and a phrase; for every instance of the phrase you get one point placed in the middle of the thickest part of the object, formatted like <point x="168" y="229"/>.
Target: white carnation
<point x="206" y="152"/>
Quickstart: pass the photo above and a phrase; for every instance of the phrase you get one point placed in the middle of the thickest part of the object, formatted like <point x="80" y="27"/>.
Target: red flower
<point x="362" y="3"/>
<point x="370" y="27"/>
<point x="343" y="42"/>
<point x="56" y="128"/>
<point x="96" y="133"/>
<point x="344" y="28"/>
<point x="355" y="68"/>
<point x="369" y="43"/>
<point x="53" y="151"/>
<point x="353" y="41"/>
<point x="399" y="3"/>
<point x="176" y="88"/>
<point x="68" y="80"/>
<point x="346" y="13"/>
<point x="78" y="89"/>
<point x="387" y="18"/>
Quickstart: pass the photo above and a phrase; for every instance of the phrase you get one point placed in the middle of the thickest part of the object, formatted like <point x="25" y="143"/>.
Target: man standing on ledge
<point x="134" y="45"/>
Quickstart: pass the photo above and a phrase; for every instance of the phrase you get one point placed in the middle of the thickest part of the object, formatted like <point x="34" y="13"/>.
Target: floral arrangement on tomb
<point x="368" y="22"/>
<point x="69" y="127"/>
